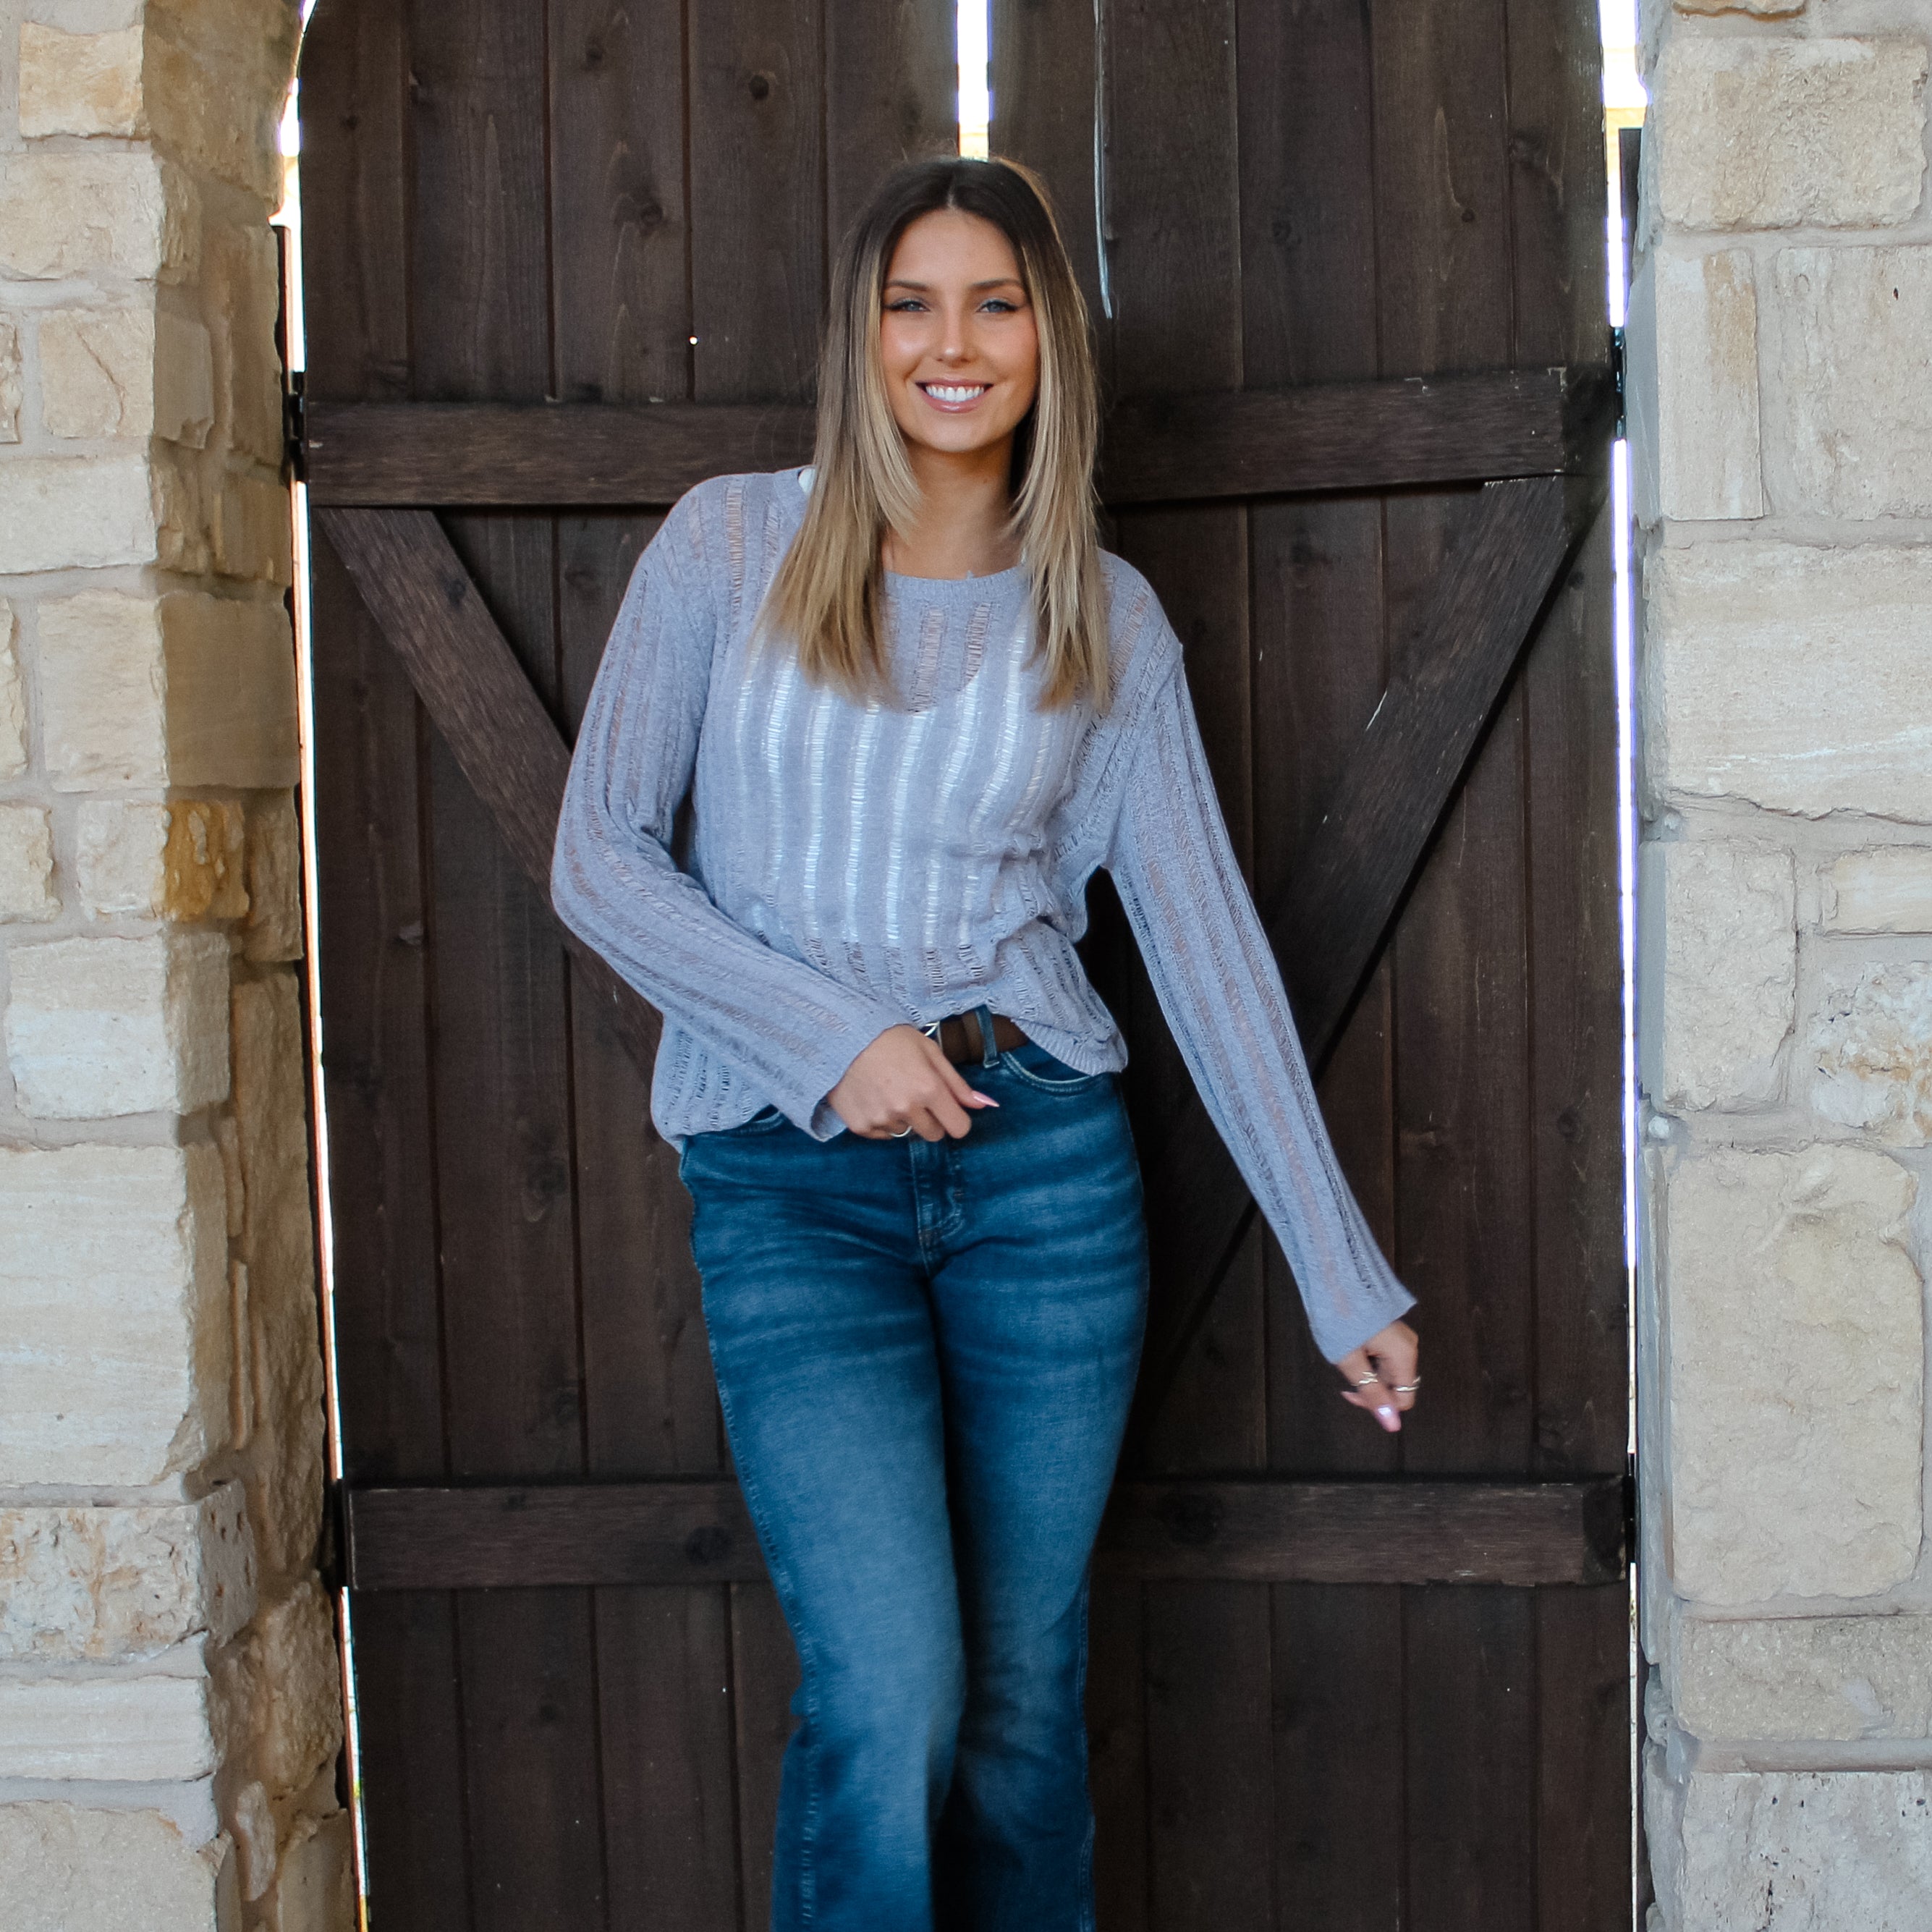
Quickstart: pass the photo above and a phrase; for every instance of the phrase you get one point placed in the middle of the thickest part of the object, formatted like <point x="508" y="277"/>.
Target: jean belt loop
<point x="989" y="1047"/>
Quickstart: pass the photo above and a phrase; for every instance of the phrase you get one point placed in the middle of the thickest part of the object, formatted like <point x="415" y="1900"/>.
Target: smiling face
<point x="958" y="340"/>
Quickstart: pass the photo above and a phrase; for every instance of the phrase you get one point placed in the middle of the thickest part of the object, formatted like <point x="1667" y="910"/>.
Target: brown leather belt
<point x="959" y="1039"/>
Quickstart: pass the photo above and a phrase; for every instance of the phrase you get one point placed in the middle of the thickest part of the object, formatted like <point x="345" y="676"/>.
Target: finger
<point x="926" y="1124"/>
<point x="951" y="1116"/>
<point x="1367" y="1388"/>
<point x="962" y="1089"/>
<point x="1397" y="1365"/>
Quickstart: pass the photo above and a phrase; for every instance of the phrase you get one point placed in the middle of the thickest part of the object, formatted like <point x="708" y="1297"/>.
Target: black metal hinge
<point x="1617" y="375"/>
<point x="1629" y="1512"/>
<point x="294" y="427"/>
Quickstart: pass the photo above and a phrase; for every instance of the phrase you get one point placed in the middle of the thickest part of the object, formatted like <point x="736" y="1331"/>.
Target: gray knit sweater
<point x="851" y="867"/>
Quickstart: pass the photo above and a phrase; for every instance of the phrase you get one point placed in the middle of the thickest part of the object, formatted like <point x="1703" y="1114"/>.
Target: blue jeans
<point x="925" y="1354"/>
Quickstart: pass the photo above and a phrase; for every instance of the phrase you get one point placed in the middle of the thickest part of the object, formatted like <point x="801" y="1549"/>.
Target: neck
<point x="963" y="511"/>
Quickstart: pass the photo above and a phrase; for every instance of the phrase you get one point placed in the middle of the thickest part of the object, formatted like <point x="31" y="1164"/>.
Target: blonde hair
<point x="825" y="596"/>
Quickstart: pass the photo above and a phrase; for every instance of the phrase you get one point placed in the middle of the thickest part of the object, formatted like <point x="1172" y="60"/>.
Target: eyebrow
<point x="997" y="282"/>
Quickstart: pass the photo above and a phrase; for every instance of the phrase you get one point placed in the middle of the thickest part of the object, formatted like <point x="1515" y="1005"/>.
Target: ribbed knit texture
<point x="852" y="867"/>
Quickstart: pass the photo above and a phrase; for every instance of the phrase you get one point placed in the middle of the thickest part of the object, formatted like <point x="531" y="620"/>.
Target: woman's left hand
<point x="1381" y="1375"/>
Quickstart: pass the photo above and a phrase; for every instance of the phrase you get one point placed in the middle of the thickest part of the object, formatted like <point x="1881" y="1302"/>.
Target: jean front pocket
<point x="763" y="1122"/>
<point x="1032" y="1065"/>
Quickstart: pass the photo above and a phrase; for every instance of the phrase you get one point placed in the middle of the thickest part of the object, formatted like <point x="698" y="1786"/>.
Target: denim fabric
<point x="925" y="1354"/>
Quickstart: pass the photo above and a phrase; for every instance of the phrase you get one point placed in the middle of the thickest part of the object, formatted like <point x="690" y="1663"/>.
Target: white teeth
<point x="954" y="392"/>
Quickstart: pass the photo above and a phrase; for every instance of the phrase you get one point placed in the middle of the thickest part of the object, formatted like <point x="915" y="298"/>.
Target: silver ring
<point x="1407" y="1388"/>
<point x="900" y="1133"/>
<point x="1363" y="1382"/>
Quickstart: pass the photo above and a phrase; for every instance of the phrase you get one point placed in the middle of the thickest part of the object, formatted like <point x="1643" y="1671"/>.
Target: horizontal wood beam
<point x="1259" y="1530"/>
<point x="1321" y="437"/>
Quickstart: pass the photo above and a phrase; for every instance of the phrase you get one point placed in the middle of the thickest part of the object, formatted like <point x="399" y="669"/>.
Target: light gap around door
<point x="1624" y="102"/>
<point x="288" y="219"/>
<point x="973" y="33"/>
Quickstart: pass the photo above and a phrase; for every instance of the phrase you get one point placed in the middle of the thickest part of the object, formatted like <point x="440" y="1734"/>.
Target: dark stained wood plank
<point x="481" y="278"/>
<point x="531" y="1770"/>
<point x="757" y="198"/>
<point x="1209" y="1756"/>
<point x="650" y="1406"/>
<point x="434" y="616"/>
<point x="1570" y="798"/>
<point x="1334" y="435"/>
<point x="353" y="103"/>
<point x="562" y="454"/>
<point x="410" y="1729"/>
<point x="1250" y="1530"/>
<point x="620" y="233"/>
<point x="1046" y="77"/>
<point x="1117" y="1753"/>
<point x="1446" y="294"/>
<point x="891" y="95"/>
<point x="1338" y="1758"/>
<point x="664" y="1683"/>
<point x="1161" y="448"/>
<point x="1583" y="1746"/>
<point x="765" y="1673"/>
<point x="371" y="911"/>
<point x="1308" y="264"/>
<point x="1472" y="1761"/>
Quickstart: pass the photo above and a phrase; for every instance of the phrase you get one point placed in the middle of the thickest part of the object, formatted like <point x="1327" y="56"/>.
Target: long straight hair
<point x="825" y="597"/>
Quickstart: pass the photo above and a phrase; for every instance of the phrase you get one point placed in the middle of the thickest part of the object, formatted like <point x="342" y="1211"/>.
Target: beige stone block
<point x="1883" y="889"/>
<point x="253" y="538"/>
<point x="1870" y="1043"/>
<point x="27" y="864"/>
<point x="13" y="700"/>
<point x="218" y="75"/>
<point x="1805" y="1852"/>
<point x="76" y="512"/>
<point x="1794" y="1336"/>
<point x="274" y="931"/>
<point x="242" y="284"/>
<point x="1786" y="133"/>
<point x="186" y="689"/>
<point x="11" y="380"/>
<point x="183" y="860"/>
<point x="1800" y="679"/>
<point x="127" y="372"/>
<point x="1765" y="9"/>
<point x="1854" y="379"/>
<point x="131" y="1582"/>
<point x="1802" y="1679"/>
<point x="1691" y="342"/>
<point x="105" y="690"/>
<point x="316" y="1889"/>
<point x="279" y="1692"/>
<point x="1719" y="925"/>
<point x="285" y="1470"/>
<point x="80" y="83"/>
<point x="132" y="1728"/>
<point x="114" y="1317"/>
<point x="70" y="1868"/>
<point x="85" y="211"/>
<point x="97" y="1028"/>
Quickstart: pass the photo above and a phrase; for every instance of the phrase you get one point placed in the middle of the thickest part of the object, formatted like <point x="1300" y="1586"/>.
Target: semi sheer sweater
<point x="852" y="866"/>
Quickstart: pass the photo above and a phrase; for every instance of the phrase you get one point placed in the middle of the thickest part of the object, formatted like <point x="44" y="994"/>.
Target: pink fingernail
<point x="984" y="1099"/>
<point x="1388" y="1418"/>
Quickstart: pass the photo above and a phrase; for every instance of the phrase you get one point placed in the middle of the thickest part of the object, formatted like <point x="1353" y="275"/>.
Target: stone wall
<point x="169" y="1694"/>
<point x="1780" y="340"/>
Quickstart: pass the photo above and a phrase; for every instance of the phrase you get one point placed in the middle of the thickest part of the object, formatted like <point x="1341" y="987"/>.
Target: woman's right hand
<point x="902" y="1080"/>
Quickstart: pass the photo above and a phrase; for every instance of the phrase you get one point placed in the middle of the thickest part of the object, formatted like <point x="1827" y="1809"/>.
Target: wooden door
<point x="562" y="261"/>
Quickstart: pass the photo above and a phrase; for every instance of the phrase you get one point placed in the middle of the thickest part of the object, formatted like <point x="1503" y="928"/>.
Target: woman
<point x="914" y="708"/>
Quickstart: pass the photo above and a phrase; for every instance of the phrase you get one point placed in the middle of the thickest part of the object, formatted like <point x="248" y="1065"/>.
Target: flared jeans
<point x="925" y="1354"/>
